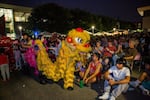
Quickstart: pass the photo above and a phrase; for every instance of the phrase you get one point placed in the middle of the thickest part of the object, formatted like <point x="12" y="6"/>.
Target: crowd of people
<point x="119" y="56"/>
<point x="112" y="58"/>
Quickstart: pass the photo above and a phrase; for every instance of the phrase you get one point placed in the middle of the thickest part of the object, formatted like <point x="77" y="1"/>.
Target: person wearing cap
<point x="117" y="78"/>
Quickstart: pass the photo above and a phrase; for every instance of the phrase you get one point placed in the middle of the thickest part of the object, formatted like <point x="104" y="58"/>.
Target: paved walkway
<point x="22" y="87"/>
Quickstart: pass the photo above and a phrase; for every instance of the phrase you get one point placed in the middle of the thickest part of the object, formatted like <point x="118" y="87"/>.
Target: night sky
<point x="122" y="9"/>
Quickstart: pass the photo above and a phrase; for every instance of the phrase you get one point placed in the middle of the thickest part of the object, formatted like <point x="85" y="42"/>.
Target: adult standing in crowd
<point x="23" y="47"/>
<point x="30" y="55"/>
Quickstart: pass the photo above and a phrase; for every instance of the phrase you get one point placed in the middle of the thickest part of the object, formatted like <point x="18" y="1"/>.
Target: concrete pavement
<point x="22" y="87"/>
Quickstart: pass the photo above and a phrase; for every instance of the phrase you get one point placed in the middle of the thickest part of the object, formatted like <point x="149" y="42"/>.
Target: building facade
<point x="16" y="18"/>
<point x="145" y="13"/>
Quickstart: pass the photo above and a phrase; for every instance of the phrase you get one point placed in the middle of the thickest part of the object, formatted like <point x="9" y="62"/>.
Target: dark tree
<point x="49" y="17"/>
<point x="54" y="18"/>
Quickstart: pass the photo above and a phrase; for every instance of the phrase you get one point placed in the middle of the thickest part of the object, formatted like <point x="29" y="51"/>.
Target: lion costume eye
<point x="78" y="40"/>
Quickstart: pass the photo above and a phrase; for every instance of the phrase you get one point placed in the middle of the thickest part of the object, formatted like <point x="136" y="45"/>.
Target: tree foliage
<point x="54" y="18"/>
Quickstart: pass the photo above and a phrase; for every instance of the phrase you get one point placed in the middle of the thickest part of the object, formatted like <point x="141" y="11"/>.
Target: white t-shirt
<point x="119" y="74"/>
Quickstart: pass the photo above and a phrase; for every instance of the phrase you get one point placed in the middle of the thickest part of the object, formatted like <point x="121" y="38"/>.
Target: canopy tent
<point x="46" y="34"/>
<point x="98" y="34"/>
<point x="89" y="32"/>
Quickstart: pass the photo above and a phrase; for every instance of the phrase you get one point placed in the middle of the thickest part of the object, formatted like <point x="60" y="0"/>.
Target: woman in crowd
<point x="30" y="55"/>
<point x="109" y="51"/>
<point x="118" y="54"/>
<point x="98" y="48"/>
<point x="105" y="64"/>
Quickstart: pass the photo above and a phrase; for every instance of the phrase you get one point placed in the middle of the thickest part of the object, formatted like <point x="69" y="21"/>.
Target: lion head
<point x="79" y="39"/>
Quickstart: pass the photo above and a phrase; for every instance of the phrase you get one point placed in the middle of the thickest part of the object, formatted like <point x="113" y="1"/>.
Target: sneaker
<point x="112" y="98"/>
<point x="146" y="92"/>
<point x="104" y="96"/>
<point x="131" y="89"/>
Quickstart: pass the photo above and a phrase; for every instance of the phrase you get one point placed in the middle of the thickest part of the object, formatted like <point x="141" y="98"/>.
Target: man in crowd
<point x="117" y="78"/>
<point x="131" y="53"/>
<point x="143" y="82"/>
<point x="23" y="49"/>
<point x="23" y="44"/>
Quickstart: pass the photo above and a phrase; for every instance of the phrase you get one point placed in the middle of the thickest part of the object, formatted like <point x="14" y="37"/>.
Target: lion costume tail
<point x="44" y="63"/>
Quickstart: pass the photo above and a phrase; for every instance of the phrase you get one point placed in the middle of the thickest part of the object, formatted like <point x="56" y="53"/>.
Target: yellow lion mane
<point x="76" y="41"/>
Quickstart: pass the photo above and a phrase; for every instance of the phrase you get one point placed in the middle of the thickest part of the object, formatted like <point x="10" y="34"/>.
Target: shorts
<point x="146" y="84"/>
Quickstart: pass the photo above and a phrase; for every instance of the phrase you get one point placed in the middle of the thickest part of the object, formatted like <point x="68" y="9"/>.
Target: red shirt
<point x="107" y="53"/>
<point x="93" y="67"/>
<point x="3" y="59"/>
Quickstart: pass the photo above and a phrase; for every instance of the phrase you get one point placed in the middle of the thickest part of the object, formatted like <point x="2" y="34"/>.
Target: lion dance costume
<point x="77" y="41"/>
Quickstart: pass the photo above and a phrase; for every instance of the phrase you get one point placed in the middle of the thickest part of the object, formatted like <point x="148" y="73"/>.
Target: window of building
<point x="9" y="22"/>
<point x="1" y="12"/>
<point x="21" y="17"/>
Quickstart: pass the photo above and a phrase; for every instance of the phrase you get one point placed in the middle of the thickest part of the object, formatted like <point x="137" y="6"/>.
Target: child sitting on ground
<point x="81" y="66"/>
<point x="93" y="69"/>
<point x="143" y="82"/>
<point x="80" y="70"/>
<point x="4" y="66"/>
